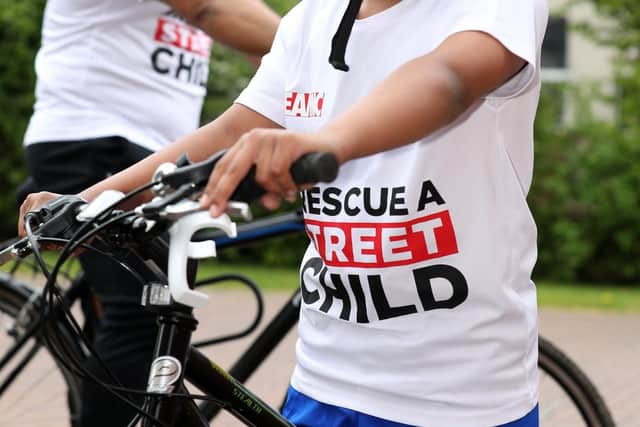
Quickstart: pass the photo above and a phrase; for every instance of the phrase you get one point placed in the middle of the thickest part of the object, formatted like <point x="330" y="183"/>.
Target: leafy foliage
<point x="19" y="40"/>
<point x="586" y="193"/>
<point x="585" y="197"/>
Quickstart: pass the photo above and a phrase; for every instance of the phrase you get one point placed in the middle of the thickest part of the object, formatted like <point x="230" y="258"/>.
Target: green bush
<point x="19" y="40"/>
<point x="586" y="196"/>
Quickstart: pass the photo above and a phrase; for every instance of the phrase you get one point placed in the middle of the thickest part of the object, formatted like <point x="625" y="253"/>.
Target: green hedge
<point x="19" y="40"/>
<point x="586" y="196"/>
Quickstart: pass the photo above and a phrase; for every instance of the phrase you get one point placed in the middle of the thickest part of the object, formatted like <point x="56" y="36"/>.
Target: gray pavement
<point x="605" y="345"/>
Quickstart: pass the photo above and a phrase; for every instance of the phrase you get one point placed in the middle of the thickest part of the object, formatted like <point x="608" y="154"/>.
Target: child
<point x="418" y="303"/>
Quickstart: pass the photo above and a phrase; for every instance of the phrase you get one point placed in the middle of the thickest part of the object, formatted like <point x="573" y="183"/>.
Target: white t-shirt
<point x="418" y="304"/>
<point x="118" y="68"/>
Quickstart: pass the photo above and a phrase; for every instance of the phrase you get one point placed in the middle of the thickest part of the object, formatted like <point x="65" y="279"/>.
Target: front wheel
<point x="42" y="392"/>
<point x="567" y="397"/>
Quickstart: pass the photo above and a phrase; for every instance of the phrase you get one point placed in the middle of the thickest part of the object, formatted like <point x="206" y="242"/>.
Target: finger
<point x="273" y="167"/>
<point x="264" y="158"/>
<point x="206" y="200"/>
<point x="24" y="208"/>
<point x="284" y="155"/>
<point x="291" y="196"/>
<point x="21" y="231"/>
<point x="271" y="201"/>
<point x="237" y="168"/>
<point x="214" y="177"/>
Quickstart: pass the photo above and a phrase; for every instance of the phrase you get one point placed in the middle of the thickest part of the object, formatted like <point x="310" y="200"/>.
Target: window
<point x="554" y="51"/>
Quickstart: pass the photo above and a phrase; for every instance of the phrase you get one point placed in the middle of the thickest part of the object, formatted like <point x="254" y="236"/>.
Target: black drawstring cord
<point x="341" y="37"/>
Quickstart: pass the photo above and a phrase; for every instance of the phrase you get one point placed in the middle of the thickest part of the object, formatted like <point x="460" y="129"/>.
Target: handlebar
<point x="309" y="168"/>
<point x="188" y="179"/>
<point x="174" y="209"/>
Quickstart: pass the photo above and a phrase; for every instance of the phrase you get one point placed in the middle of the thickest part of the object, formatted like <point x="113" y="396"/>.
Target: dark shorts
<point x="68" y="167"/>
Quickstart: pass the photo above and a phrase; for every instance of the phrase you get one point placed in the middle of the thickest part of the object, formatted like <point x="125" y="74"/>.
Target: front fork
<point x="174" y="358"/>
<point x="167" y="371"/>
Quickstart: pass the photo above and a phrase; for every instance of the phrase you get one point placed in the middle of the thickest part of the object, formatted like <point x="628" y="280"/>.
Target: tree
<point x="586" y="193"/>
<point x="19" y="40"/>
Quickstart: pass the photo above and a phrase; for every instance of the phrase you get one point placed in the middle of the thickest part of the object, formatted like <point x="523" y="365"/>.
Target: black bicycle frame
<point x="174" y="359"/>
<point x="173" y="349"/>
<point x="176" y="324"/>
<point x="33" y="329"/>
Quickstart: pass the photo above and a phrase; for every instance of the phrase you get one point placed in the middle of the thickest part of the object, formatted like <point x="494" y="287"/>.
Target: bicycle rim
<point x="43" y="394"/>
<point x="567" y="397"/>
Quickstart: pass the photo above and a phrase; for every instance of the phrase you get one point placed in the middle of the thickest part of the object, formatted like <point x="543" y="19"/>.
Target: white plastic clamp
<point x="181" y="247"/>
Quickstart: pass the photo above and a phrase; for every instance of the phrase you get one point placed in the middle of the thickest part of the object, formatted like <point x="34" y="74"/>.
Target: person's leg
<point x="125" y="338"/>
<point x="125" y="335"/>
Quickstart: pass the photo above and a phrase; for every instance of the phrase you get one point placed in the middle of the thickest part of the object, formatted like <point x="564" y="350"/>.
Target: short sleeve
<point x="518" y="24"/>
<point x="265" y="92"/>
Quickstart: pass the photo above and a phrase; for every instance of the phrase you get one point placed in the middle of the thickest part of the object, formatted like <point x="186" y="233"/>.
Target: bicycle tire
<point x="44" y="390"/>
<point x="583" y="394"/>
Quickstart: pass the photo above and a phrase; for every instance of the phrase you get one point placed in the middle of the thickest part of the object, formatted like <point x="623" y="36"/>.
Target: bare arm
<point x="448" y="81"/>
<point x="246" y="25"/>
<point x="463" y="69"/>
<point x="209" y="139"/>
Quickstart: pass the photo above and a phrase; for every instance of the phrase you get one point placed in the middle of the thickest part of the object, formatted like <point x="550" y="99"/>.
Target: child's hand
<point x="272" y="151"/>
<point x="31" y="203"/>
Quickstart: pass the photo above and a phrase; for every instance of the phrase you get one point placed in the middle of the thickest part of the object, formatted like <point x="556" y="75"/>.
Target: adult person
<point x="118" y="80"/>
<point x="418" y="308"/>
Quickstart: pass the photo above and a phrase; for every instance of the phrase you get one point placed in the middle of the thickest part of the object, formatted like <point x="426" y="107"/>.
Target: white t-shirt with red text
<point x="124" y="68"/>
<point x="418" y="304"/>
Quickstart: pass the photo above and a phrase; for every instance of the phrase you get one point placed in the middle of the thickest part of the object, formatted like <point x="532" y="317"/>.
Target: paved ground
<point x="605" y="345"/>
<point x="607" y="348"/>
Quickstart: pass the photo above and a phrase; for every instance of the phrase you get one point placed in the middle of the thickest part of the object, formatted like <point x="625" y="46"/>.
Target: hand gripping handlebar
<point x="312" y="167"/>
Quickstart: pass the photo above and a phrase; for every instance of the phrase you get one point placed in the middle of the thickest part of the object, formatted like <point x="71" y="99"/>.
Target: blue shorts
<point x="303" y="411"/>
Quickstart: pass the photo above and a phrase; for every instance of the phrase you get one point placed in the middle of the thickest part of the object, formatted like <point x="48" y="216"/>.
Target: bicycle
<point x="166" y="397"/>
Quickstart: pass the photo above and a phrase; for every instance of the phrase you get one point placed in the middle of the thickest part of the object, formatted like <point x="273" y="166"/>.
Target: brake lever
<point x="18" y="249"/>
<point x="12" y="252"/>
<point x="57" y="217"/>
<point x="156" y="208"/>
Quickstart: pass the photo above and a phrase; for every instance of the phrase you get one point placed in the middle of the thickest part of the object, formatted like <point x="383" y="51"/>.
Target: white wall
<point x="586" y="62"/>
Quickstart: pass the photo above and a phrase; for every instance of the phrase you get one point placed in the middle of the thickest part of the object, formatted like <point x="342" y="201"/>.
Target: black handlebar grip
<point x="315" y="167"/>
<point x="57" y="217"/>
<point x="309" y="168"/>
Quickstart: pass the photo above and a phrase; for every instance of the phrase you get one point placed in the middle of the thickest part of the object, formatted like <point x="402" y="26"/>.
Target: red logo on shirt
<point x="376" y="245"/>
<point x="177" y="34"/>
<point x="304" y="104"/>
